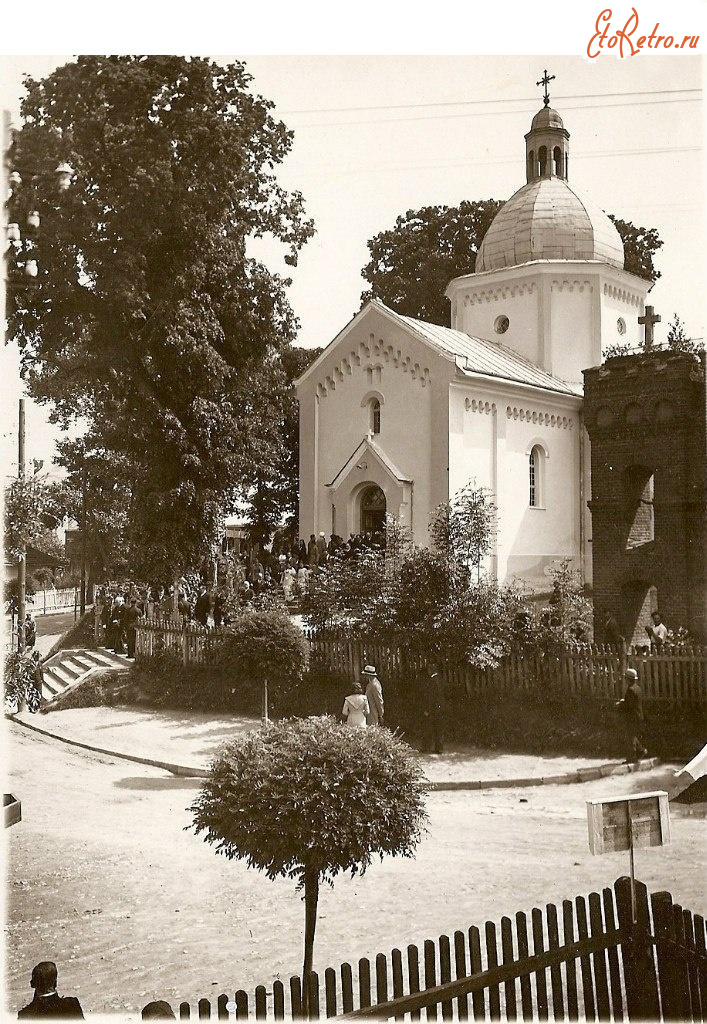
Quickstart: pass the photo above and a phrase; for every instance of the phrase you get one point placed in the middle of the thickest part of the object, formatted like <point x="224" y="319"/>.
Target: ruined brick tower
<point x="645" y="415"/>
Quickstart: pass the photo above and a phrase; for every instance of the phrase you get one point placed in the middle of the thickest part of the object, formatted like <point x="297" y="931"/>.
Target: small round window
<point x="621" y="326"/>
<point x="501" y="324"/>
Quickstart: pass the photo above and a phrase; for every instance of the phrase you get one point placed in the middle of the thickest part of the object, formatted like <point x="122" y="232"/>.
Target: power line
<point x="466" y="103"/>
<point x="363" y="168"/>
<point x="485" y="113"/>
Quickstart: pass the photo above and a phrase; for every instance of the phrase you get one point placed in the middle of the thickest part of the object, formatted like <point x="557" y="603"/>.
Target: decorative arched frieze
<point x="623" y="294"/>
<point x="571" y="284"/>
<point x="372" y="355"/>
<point x="502" y="292"/>
<point x="538" y="416"/>
<point x="476" y="405"/>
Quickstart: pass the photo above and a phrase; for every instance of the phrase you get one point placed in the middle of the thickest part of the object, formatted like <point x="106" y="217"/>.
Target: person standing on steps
<point x="131" y="617"/>
<point x="374" y="696"/>
<point x="30" y="632"/>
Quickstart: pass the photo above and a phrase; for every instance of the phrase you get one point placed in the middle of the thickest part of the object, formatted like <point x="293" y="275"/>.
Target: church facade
<point x="396" y="415"/>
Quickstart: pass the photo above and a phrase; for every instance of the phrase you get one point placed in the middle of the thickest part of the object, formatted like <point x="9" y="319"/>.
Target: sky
<point x="375" y="136"/>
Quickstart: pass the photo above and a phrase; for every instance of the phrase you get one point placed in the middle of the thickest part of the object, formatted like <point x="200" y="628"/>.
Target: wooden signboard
<point x="628" y="822"/>
<point x="12" y="809"/>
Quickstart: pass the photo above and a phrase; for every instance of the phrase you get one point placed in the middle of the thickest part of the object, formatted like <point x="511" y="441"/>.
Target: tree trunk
<point x="311" y="897"/>
<point x="175" y="597"/>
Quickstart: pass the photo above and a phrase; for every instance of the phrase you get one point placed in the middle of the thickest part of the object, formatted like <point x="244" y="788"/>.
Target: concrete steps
<point x="66" y="669"/>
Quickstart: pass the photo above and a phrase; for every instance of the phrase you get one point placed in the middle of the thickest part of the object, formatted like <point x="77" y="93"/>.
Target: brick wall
<point x="645" y="415"/>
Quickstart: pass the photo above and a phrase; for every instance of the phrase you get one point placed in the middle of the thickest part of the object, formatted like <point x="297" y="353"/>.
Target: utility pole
<point x="83" y="538"/>
<point x="4" y="189"/>
<point x="22" y="567"/>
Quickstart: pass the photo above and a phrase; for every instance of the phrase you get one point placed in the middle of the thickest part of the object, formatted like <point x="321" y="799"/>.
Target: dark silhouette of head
<point x="159" y="1009"/>
<point x="44" y="977"/>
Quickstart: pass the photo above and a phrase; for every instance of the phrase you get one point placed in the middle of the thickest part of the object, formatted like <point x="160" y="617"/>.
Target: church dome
<point x="546" y="117"/>
<point x="547" y="220"/>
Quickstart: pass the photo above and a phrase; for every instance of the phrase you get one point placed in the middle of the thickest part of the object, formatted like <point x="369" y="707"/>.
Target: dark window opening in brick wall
<point x="639" y="504"/>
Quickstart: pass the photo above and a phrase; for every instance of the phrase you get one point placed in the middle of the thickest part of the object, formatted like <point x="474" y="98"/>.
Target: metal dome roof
<point x="547" y="220"/>
<point x="546" y="117"/>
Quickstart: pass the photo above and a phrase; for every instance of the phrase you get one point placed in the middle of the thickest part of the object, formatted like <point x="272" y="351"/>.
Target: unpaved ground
<point x="193" y="737"/>
<point x="104" y="880"/>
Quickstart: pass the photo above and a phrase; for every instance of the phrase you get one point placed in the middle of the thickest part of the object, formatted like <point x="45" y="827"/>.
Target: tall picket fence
<point x="187" y="639"/>
<point x="675" y="678"/>
<point x="43" y="601"/>
<point x="589" y="671"/>
<point x="587" y="958"/>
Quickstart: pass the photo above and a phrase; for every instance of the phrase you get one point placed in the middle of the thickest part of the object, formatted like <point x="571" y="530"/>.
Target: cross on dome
<point x="545" y="81"/>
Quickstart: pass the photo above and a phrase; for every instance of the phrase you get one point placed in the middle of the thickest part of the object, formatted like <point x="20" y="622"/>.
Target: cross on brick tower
<point x="545" y="80"/>
<point x="649" y="319"/>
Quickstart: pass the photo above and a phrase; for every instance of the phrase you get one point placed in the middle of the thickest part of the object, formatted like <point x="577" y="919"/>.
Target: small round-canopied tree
<point x="262" y="648"/>
<point x="308" y="799"/>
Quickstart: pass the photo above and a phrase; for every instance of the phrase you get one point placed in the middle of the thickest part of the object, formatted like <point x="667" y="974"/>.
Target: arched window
<point x="535" y="477"/>
<point x="531" y="164"/>
<point x="375" y="416"/>
<point x="557" y="158"/>
<point x="542" y="157"/>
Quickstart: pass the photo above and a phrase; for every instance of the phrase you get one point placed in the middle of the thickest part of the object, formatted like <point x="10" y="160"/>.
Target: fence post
<point x="637" y="952"/>
<point x="185" y="642"/>
<point x="672" y="968"/>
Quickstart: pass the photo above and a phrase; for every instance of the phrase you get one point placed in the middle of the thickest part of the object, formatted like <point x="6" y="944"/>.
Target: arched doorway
<point x="372" y="506"/>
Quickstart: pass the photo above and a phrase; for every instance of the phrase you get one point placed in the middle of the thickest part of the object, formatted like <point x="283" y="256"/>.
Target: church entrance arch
<point x="372" y="509"/>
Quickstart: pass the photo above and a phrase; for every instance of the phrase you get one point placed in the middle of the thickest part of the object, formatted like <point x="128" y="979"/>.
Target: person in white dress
<point x="288" y="582"/>
<point x="355" y="710"/>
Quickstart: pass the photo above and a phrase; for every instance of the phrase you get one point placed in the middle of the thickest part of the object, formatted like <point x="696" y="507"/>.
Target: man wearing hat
<point x="632" y="706"/>
<point x="374" y="695"/>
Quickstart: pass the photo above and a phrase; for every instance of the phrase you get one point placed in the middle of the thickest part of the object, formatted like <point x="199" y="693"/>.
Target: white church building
<point x="396" y="415"/>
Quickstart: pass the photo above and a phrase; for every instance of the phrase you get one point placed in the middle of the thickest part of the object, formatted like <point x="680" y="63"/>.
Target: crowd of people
<point x="239" y="580"/>
<point x="297" y="562"/>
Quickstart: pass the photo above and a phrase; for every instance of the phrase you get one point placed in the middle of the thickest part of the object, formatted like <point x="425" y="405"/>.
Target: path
<point x="104" y="880"/>
<point x="192" y="738"/>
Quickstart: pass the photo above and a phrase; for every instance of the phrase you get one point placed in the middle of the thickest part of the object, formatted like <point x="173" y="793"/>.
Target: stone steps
<point x="66" y="669"/>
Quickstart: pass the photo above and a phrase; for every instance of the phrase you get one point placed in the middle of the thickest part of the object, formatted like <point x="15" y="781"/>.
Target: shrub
<point x="20" y="683"/>
<point x="257" y="647"/>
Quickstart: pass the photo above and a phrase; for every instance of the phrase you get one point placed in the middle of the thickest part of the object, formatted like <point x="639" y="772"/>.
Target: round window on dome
<point x="501" y="324"/>
<point x="621" y="326"/>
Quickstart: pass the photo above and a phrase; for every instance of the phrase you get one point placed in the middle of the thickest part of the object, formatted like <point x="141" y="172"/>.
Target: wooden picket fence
<point x="588" y="959"/>
<point x="590" y="671"/>
<point x="43" y="601"/>
<point x="674" y="677"/>
<point x="187" y="639"/>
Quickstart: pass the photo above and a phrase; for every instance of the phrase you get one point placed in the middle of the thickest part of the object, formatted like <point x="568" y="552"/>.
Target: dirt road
<point x="104" y="880"/>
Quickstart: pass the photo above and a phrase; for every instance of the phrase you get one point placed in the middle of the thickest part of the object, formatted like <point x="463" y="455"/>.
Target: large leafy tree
<point x="309" y="799"/>
<point x="150" y="320"/>
<point x="273" y="486"/>
<point x="412" y="263"/>
<point x="640" y="246"/>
